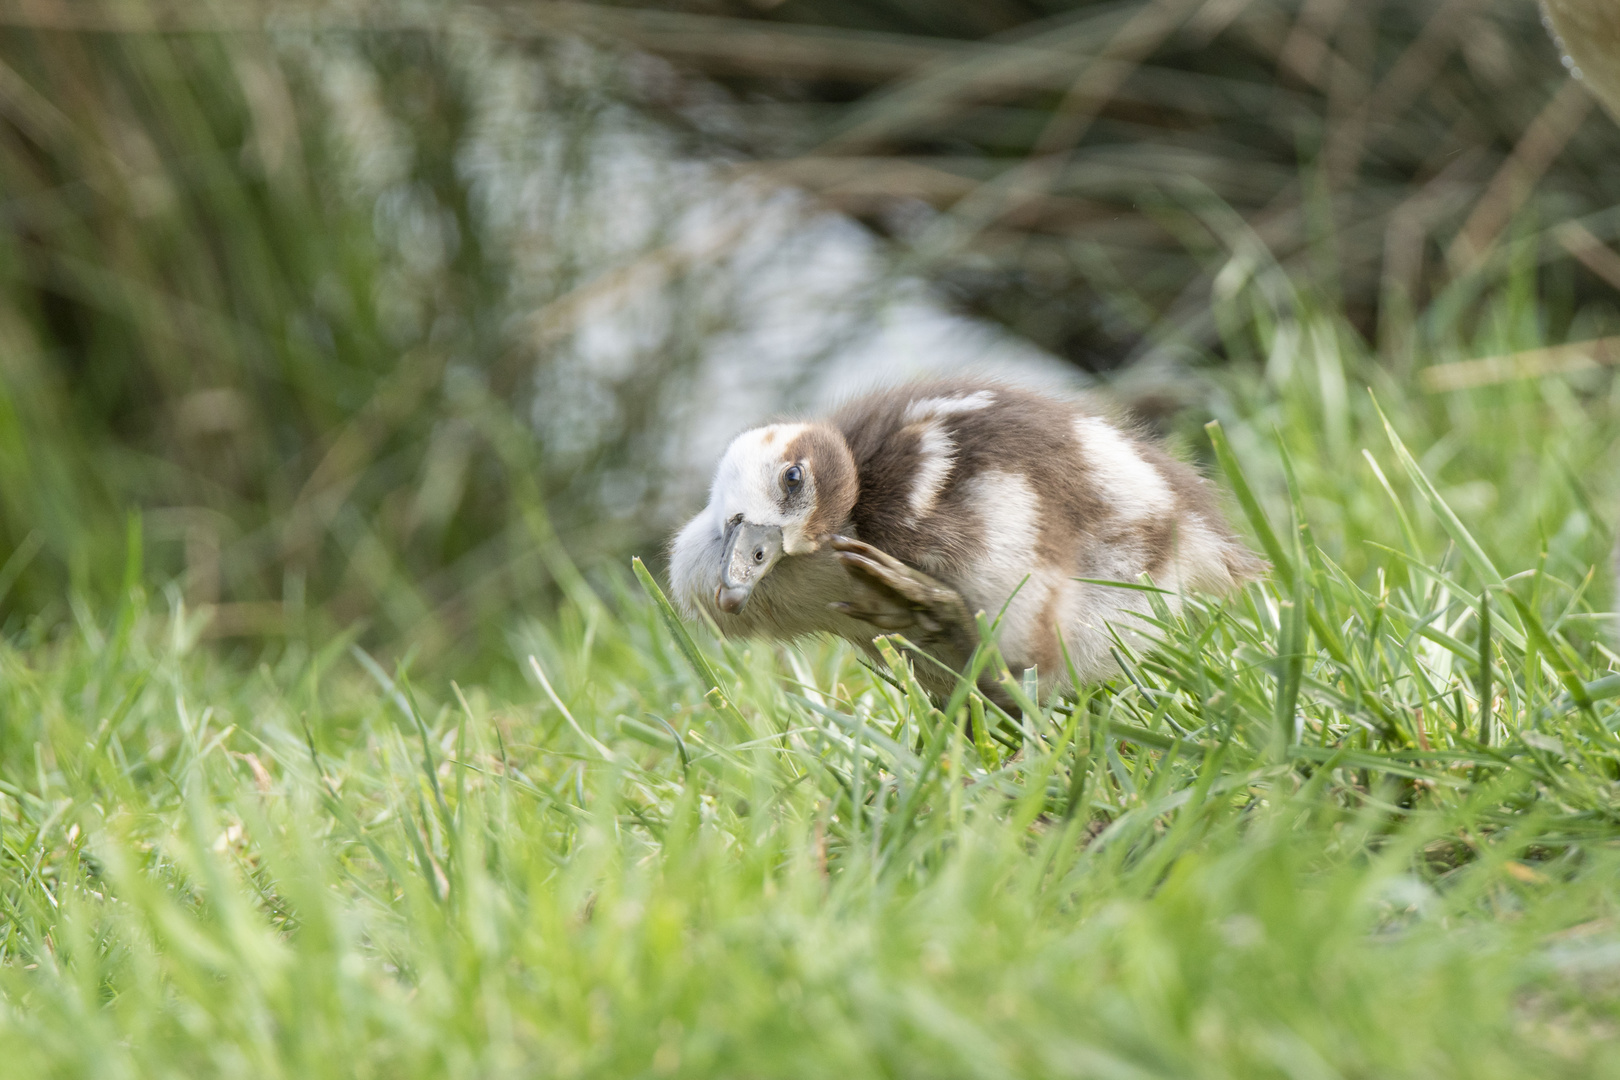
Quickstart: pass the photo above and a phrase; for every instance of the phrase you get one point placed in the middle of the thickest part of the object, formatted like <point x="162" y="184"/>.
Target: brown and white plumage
<point x="996" y="495"/>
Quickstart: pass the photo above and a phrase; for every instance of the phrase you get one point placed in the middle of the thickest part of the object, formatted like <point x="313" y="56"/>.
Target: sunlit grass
<point x="1294" y="840"/>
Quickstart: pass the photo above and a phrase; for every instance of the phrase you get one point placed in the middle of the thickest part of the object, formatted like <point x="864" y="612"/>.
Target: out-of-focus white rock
<point x="666" y="303"/>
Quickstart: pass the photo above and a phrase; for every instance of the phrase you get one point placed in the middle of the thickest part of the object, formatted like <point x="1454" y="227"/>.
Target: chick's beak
<point x="750" y="552"/>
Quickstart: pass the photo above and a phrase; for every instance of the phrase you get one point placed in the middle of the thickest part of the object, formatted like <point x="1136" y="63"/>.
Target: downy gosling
<point x="912" y="509"/>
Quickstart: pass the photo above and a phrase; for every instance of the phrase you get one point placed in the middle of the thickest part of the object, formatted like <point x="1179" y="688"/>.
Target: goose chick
<point x="911" y="508"/>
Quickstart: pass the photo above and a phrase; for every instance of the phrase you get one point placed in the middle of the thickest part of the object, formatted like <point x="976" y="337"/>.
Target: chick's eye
<point x="793" y="477"/>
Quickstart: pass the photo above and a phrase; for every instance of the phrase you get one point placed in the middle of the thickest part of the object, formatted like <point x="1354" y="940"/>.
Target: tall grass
<point x="1359" y="820"/>
<point x="297" y="293"/>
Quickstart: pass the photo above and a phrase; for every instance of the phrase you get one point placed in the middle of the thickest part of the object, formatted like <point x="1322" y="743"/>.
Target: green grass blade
<point x="1246" y="499"/>
<point x="677" y="629"/>
<point x="1453" y="525"/>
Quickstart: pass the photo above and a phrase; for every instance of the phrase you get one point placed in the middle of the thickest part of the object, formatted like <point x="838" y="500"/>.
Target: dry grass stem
<point x="1529" y="364"/>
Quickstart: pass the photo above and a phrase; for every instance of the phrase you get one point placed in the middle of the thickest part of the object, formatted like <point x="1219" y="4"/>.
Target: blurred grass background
<point x="303" y="284"/>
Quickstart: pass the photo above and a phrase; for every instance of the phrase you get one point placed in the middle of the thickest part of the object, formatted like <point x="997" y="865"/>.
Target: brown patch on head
<point x="833" y="485"/>
<point x="769" y="437"/>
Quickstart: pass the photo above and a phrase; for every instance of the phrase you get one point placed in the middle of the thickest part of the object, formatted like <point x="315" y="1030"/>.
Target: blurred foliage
<point x="298" y="283"/>
<point x="1079" y="171"/>
<point x="265" y="287"/>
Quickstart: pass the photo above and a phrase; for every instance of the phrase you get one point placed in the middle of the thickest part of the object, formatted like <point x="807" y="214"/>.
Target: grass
<point x="1338" y="826"/>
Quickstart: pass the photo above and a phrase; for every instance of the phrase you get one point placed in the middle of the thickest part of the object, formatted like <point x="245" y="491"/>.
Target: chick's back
<point x="1011" y="495"/>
